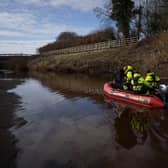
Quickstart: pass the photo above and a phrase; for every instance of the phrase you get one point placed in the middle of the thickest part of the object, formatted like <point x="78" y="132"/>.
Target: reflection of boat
<point x="132" y="98"/>
<point x="123" y="105"/>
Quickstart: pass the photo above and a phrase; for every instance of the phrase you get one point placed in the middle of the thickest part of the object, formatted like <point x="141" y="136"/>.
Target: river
<point x="64" y="121"/>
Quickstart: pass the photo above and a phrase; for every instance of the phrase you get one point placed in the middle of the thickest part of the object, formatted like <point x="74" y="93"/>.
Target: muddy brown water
<point x="64" y="121"/>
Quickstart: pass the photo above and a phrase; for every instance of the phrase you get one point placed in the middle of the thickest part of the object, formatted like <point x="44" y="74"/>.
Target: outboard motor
<point x="163" y="88"/>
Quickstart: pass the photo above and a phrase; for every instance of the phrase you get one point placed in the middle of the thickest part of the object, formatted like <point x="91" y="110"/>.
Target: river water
<point x="64" y="121"/>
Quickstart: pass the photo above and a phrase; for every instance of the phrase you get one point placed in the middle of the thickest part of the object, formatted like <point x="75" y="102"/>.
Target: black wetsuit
<point x="119" y="78"/>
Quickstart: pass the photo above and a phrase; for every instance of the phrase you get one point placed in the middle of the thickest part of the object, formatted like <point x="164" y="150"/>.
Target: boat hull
<point x="131" y="98"/>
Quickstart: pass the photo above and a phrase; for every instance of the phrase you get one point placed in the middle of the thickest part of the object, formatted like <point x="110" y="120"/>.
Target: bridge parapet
<point x="15" y="55"/>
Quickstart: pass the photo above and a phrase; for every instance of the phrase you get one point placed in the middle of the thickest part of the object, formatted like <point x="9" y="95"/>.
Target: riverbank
<point x="150" y="53"/>
<point x="8" y="104"/>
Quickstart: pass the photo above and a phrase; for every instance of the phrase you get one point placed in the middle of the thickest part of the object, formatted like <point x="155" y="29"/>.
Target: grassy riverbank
<point x="150" y="53"/>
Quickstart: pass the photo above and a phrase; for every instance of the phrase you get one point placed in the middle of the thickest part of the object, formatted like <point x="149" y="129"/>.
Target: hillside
<point x="150" y="53"/>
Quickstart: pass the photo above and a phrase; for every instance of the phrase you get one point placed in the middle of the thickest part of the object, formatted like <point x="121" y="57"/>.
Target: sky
<point x="26" y="25"/>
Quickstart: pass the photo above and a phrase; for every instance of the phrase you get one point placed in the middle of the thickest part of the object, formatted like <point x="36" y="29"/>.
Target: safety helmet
<point x="128" y="68"/>
<point x="137" y="75"/>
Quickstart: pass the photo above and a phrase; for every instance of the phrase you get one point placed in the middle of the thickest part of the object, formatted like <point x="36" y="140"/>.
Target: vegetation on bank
<point x="71" y="39"/>
<point x="136" y="16"/>
<point x="150" y="53"/>
<point x="129" y="18"/>
<point x="132" y="18"/>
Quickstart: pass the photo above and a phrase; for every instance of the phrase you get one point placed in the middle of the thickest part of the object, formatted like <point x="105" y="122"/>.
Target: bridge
<point x="16" y="55"/>
<point x="16" y="62"/>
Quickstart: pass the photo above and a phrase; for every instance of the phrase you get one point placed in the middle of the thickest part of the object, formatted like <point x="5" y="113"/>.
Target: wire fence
<point x="93" y="47"/>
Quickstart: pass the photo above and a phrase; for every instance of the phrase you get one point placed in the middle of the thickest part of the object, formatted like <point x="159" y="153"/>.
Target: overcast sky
<point x="27" y="24"/>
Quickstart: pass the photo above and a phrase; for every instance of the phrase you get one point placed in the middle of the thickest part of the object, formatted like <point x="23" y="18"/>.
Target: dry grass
<point x="151" y="53"/>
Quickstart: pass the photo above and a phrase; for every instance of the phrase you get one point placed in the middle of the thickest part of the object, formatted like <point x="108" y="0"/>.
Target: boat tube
<point x="151" y="101"/>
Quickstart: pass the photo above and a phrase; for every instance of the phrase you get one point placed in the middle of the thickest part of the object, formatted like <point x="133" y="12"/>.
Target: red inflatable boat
<point x="132" y="98"/>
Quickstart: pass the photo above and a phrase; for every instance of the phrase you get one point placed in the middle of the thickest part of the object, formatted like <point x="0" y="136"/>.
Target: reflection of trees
<point x="72" y="85"/>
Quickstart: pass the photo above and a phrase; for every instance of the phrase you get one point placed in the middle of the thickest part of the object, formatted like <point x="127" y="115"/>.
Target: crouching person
<point x="151" y="81"/>
<point x="128" y="75"/>
<point x="137" y="83"/>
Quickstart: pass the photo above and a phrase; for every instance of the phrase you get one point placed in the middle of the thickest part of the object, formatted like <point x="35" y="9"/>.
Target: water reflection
<point x="72" y="85"/>
<point x="133" y="125"/>
<point x="61" y="128"/>
<point x="5" y="73"/>
<point x="70" y="125"/>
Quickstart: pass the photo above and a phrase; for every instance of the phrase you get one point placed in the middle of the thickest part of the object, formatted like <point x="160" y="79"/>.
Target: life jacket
<point x="128" y="74"/>
<point x="152" y="80"/>
<point x="137" y="82"/>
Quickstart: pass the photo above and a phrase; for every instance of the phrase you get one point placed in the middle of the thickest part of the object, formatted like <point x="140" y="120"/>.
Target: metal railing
<point x="93" y="47"/>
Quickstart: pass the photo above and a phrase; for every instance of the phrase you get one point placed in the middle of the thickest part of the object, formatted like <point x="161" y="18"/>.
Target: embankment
<point x="150" y="53"/>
